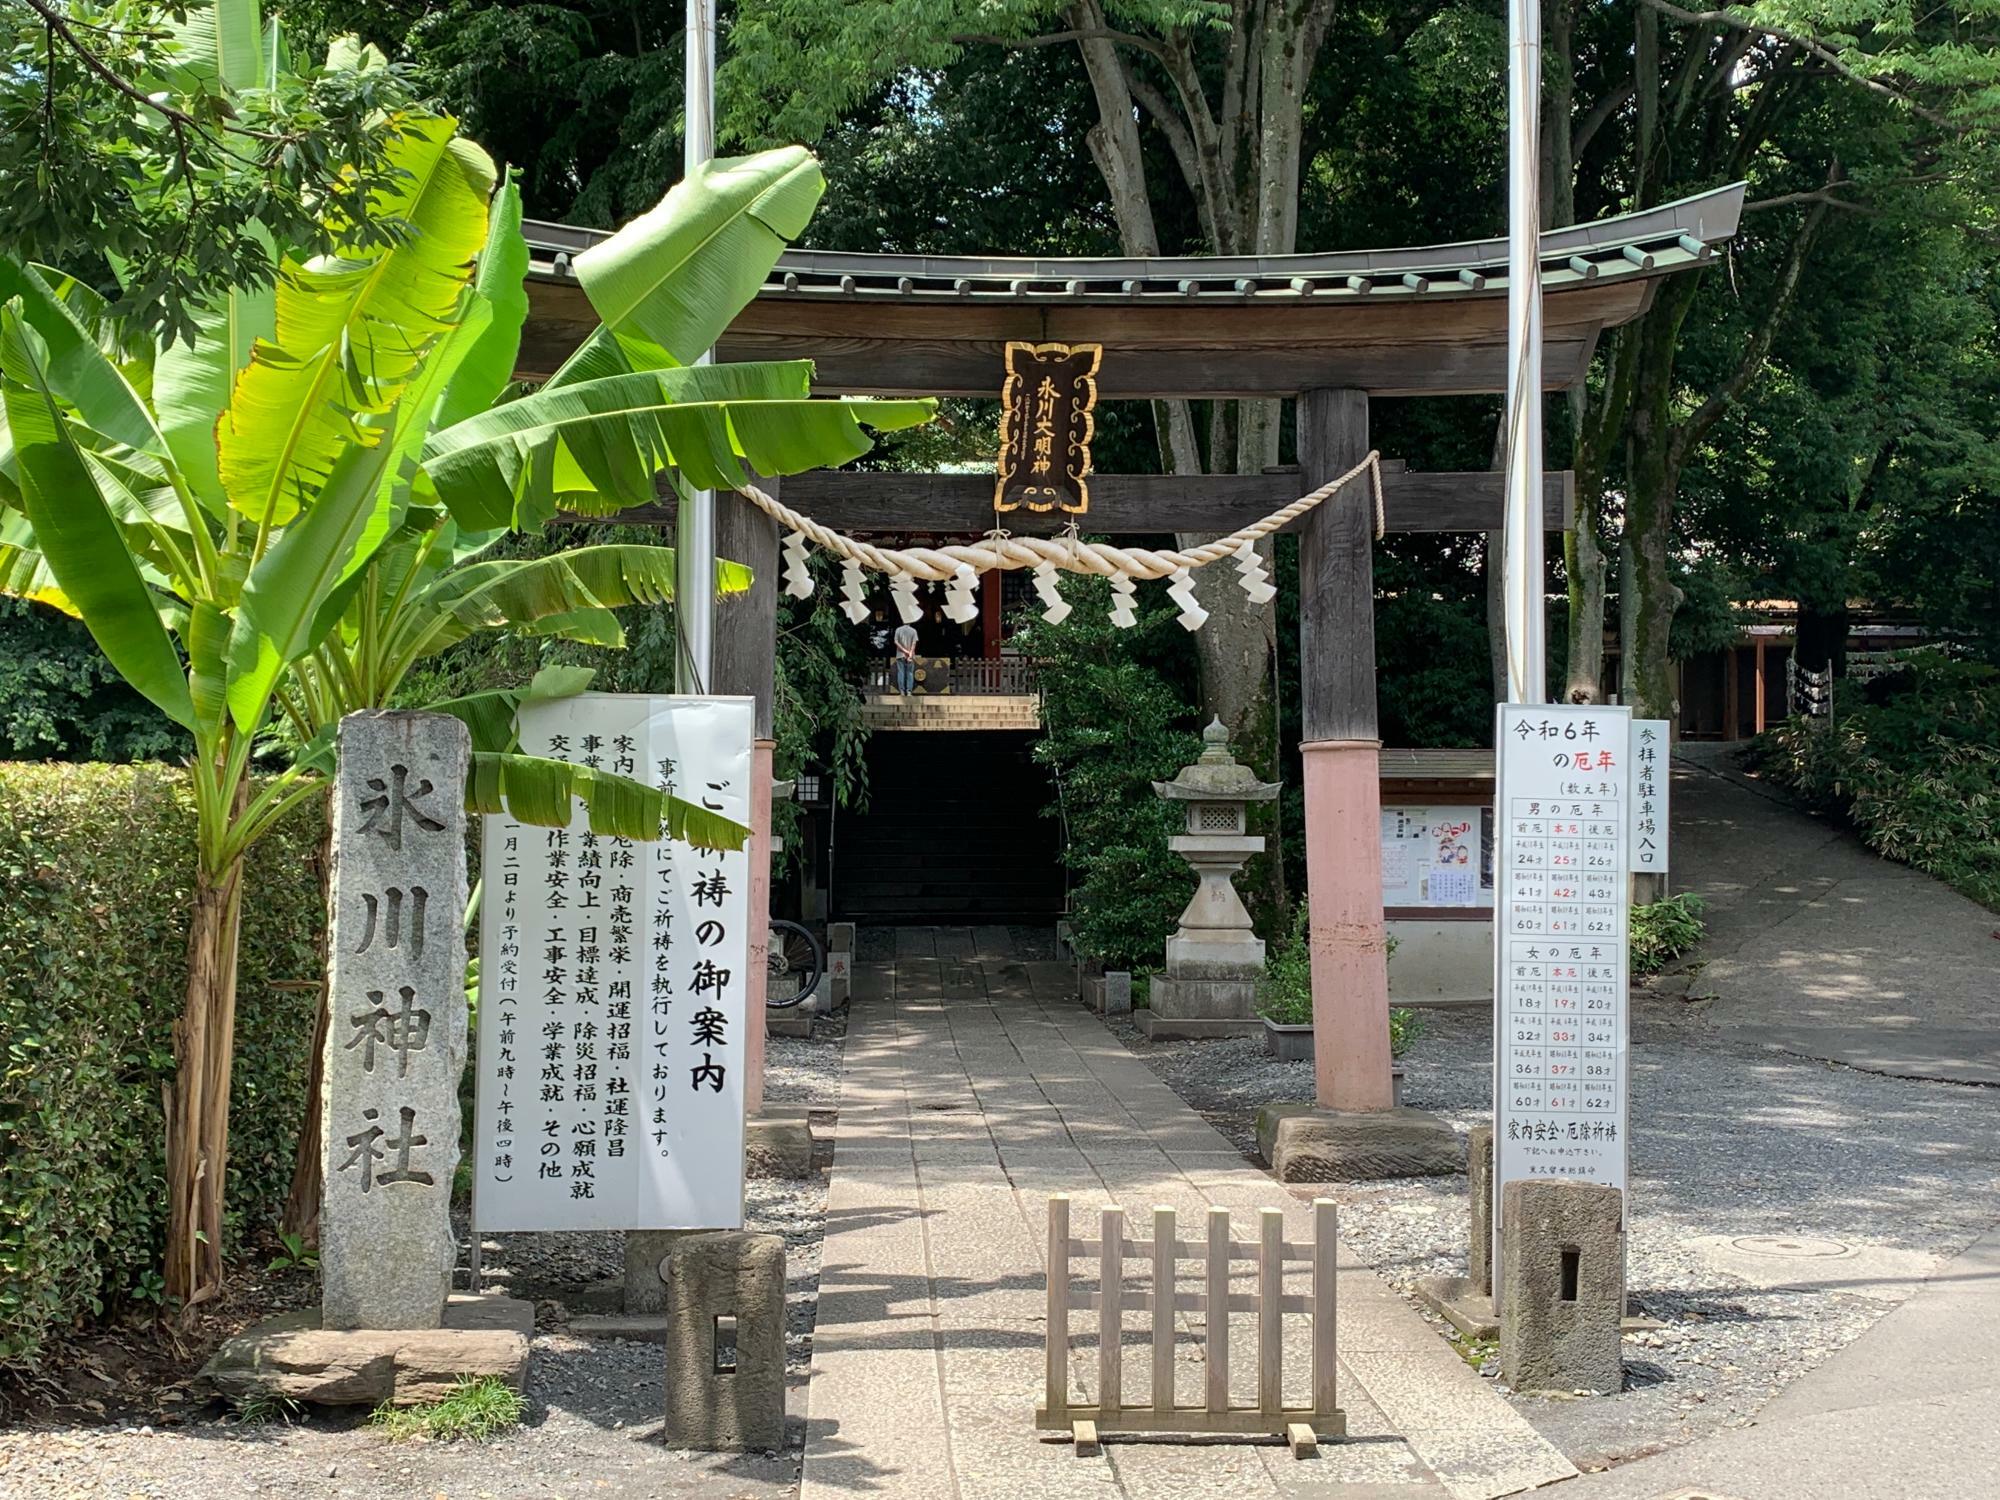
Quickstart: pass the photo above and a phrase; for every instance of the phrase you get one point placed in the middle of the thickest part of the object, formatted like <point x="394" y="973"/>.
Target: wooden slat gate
<point x="1303" y="1426"/>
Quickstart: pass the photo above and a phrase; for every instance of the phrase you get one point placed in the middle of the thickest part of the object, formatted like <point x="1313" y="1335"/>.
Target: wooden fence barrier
<point x="1303" y="1426"/>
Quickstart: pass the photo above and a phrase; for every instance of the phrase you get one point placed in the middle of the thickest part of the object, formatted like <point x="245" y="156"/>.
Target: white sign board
<point x="1437" y="856"/>
<point x="613" y="977"/>
<point x="1559" y="932"/>
<point x="1652" y="778"/>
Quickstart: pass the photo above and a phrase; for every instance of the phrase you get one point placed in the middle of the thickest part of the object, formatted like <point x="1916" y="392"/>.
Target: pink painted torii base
<point x="1350" y="962"/>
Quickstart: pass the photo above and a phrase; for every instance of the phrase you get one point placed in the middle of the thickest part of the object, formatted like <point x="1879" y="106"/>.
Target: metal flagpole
<point x="694" y="526"/>
<point x="1527" y="680"/>
<point x="1526" y="672"/>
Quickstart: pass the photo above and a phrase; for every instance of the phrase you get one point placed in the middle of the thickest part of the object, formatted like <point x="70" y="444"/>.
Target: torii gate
<point x="1331" y="330"/>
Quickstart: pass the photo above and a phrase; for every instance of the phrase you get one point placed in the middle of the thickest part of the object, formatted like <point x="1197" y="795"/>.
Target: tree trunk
<point x="1584" y="563"/>
<point x="308" y="1164"/>
<point x="1647" y="594"/>
<point x="197" y="1101"/>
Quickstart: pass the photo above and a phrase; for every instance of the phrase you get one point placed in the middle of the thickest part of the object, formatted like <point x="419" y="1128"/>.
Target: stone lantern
<point x="1215" y="960"/>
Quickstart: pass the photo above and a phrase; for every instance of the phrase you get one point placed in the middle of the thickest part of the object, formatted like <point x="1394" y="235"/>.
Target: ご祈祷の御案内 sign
<point x="613" y="980"/>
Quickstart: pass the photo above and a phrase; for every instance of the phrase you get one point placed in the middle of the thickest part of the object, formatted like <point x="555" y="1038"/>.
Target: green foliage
<point x="183" y="200"/>
<point x="1914" y="763"/>
<point x="61" y="700"/>
<point x="294" y="1254"/>
<point x="476" y="1409"/>
<point x="98" y="864"/>
<point x="1663" y="930"/>
<point x="1286" y="994"/>
<point x="1115" y="721"/>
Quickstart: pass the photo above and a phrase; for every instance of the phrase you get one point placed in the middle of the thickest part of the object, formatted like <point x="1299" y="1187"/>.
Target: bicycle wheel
<point x="796" y="964"/>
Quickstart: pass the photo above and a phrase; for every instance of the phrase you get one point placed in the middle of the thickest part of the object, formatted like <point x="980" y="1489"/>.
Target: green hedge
<point x="96" y="865"/>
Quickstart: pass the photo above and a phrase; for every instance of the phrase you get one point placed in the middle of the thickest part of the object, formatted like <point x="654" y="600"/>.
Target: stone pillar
<point x="1562" y="1286"/>
<point x="1343" y="795"/>
<point x="1479" y="1189"/>
<point x="709" y="1278"/>
<point x="396" y="1047"/>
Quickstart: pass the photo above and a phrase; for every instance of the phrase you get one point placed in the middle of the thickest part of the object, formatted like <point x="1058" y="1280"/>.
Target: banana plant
<point x="217" y="512"/>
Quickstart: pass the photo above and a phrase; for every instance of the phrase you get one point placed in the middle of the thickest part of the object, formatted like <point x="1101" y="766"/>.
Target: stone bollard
<point x="725" y="1341"/>
<point x="1562" y="1286"/>
<point x="1117" y="992"/>
<point x="1479" y="1188"/>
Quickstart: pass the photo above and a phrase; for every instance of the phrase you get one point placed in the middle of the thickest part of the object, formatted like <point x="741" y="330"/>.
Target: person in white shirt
<point x="903" y="670"/>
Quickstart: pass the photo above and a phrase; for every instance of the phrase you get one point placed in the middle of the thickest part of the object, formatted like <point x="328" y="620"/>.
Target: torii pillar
<point x="1354" y="1129"/>
<point x="1341" y="752"/>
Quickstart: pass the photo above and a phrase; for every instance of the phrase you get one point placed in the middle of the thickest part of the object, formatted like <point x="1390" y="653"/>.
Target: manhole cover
<point x="1789" y="1247"/>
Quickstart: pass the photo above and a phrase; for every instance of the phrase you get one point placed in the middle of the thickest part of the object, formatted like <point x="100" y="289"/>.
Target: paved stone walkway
<point x="1905" y="1412"/>
<point x="1822" y="948"/>
<point x="974" y="1087"/>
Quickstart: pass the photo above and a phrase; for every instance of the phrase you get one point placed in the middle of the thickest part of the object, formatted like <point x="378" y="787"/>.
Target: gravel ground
<point x="594" y="1407"/>
<point x="1727" y="1143"/>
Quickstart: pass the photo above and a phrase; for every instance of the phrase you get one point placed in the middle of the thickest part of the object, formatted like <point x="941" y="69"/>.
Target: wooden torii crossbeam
<point x="1133" y="504"/>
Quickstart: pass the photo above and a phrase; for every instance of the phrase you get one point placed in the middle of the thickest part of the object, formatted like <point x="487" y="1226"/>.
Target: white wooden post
<point x="1163" y="1310"/>
<point x="1058" y="1307"/>
<point x="1218" y="1309"/>
<point x="1270" y="1312"/>
<point x="1110" y="1316"/>
<point x="1326" y="1241"/>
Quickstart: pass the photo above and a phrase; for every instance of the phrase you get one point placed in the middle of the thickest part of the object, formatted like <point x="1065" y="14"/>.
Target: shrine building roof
<point x="1421" y="320"/>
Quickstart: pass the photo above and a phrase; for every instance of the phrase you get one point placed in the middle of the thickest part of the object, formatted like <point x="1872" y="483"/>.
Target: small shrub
<point x="1913" y="763"/>
<point x="476" y="1409"/>
<point x="1663" y="930"/>
<point x="1285" y="997"/>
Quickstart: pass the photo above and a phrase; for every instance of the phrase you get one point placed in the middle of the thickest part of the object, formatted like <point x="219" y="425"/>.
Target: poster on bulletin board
<point x="1437" y="856"/>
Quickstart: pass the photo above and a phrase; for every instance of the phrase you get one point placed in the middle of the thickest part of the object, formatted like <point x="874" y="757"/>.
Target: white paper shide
<point x="613" y="979"/>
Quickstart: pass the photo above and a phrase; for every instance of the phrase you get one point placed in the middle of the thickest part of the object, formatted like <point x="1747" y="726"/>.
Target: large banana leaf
<point x="676" y="275"/>
<point x="220" y="43"/>
<point x="76" y="531"/>
<point x="192" y="382"/>
<point x="537" y="790"/>
<point x="78" y="370"/>
<point x="353" y="330"/>
<point x="596" y="446"/>
<point x="522" y="592"/>
<point x="502" y="283"/>
<point x="284" y="592"/>
<point x="24" y="572"/>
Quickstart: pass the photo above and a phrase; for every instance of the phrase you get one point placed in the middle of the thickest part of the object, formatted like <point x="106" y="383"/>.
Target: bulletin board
<point x="1437" y="856"/>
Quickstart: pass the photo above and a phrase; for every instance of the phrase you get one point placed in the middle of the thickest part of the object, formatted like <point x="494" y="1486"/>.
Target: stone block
<point x="1304" y="1144"/>
<point x="1173" y="998"/>
<point x="295" y="1358"/>
<point x="795" y="1022"/>
<point x="1479" y="1189"/>
<point x="1155" y="1025"/>
<point x="396" y="985"/>
<point x="840" y="937"/>
<point x="644" y="1250"/>
<point x="1562" y="1286"/>
<point x="777" y="1148"/>
<point x="725" y="1341"/>
<point x="1117" y="992"/>
<point x="1288" y="1043"/>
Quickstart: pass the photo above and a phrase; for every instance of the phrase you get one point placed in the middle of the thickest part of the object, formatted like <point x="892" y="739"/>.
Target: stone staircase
<point x="950" y="712"/>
